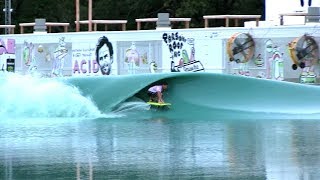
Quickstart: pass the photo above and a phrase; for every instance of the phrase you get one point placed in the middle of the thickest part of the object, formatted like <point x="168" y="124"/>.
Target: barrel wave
<point x="205" y="95"/>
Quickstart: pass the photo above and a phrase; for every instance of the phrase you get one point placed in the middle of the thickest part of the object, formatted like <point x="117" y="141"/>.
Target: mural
<point x="137" y="57"/>
<point x="92" y="59"/>
<point x="47" y="59"/>
<point x="258" y="57"/>
<point x="182" y="52"/>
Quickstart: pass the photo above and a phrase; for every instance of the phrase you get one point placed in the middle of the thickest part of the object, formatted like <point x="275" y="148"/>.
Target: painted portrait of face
<point x="104" y="60"/>
<point x="104" y="55"/>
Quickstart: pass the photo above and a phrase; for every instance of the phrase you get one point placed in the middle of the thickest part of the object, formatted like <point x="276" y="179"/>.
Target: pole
<point x="90" y="15"/>
<point x="7" y="14"/>
<point x="77" y="15"/>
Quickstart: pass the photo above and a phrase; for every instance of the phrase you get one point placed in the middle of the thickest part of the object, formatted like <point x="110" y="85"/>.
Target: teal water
<point x="219" y="127"/>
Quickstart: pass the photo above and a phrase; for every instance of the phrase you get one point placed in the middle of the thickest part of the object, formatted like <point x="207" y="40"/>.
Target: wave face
<point x="202" y="95"/>
<point x="195" y="95"/>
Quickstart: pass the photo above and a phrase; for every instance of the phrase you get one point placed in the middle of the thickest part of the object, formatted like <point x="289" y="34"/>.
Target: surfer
<point x="156" y="92"/>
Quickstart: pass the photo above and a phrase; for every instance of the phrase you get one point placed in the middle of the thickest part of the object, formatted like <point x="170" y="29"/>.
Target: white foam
<point x="27" y="96"/>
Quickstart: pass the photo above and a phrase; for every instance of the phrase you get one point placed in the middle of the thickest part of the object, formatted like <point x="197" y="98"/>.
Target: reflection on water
<point x="158" y="147"/>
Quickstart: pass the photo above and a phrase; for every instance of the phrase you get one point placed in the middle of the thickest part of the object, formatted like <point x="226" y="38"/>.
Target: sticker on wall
<point x="304" y="53"/>
<point x="183" y="53"/>
<point x="10" y="65"/>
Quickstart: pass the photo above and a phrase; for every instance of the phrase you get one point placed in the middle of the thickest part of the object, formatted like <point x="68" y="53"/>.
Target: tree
<point x="64" y="10"/>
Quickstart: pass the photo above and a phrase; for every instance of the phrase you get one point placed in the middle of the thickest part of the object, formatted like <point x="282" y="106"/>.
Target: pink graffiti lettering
<point x="83" y="62"/>
<point x="85" y="66"/>
<point x="7" y="48"/>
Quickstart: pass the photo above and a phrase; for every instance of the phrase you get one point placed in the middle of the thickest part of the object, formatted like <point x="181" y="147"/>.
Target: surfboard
<point x="159" y="104"/>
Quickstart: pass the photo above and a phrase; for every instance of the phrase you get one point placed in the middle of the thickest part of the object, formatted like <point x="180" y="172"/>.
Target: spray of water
<point x="28" y="96"/>
<point x="132" y="104"/>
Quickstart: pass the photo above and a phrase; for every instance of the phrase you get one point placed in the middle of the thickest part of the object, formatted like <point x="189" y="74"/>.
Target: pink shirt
<point x="155" y="89"/>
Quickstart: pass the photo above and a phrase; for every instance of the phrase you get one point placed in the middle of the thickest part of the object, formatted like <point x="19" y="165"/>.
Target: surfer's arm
<point x="160" y="100"/>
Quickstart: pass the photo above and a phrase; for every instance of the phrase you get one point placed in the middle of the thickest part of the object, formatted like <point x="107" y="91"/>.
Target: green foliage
<point x="64" y="10"/>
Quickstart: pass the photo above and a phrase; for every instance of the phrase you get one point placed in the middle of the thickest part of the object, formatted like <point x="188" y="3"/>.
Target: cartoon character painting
<point x="133" y="58"/>
<point x="275" y="66"/>
<point x="308" y="75"/>
<point x="104" y="55"/>
<point x="239" y="68"/>
<point x="43" y="50"/>
<point x="258" y="61"/>
<point x="59" y="57"/>
<point x="29" y="56"/>
<point x="153" y="67"/>
<point x="182" y="51"/>
<point x="185" y="57"/>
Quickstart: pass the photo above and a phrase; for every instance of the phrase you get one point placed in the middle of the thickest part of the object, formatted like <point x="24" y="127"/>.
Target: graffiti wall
<point x="278" y="54"/>
<point x="136" y="57"/>
<point x="48" y="59"/>
<point x="271" y="59"/>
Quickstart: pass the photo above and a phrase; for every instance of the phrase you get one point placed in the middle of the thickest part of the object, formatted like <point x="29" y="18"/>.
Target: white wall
<point x="209" y="44"/>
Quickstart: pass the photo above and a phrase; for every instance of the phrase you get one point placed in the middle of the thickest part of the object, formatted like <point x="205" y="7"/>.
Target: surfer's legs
<point x="152" y="96"/>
